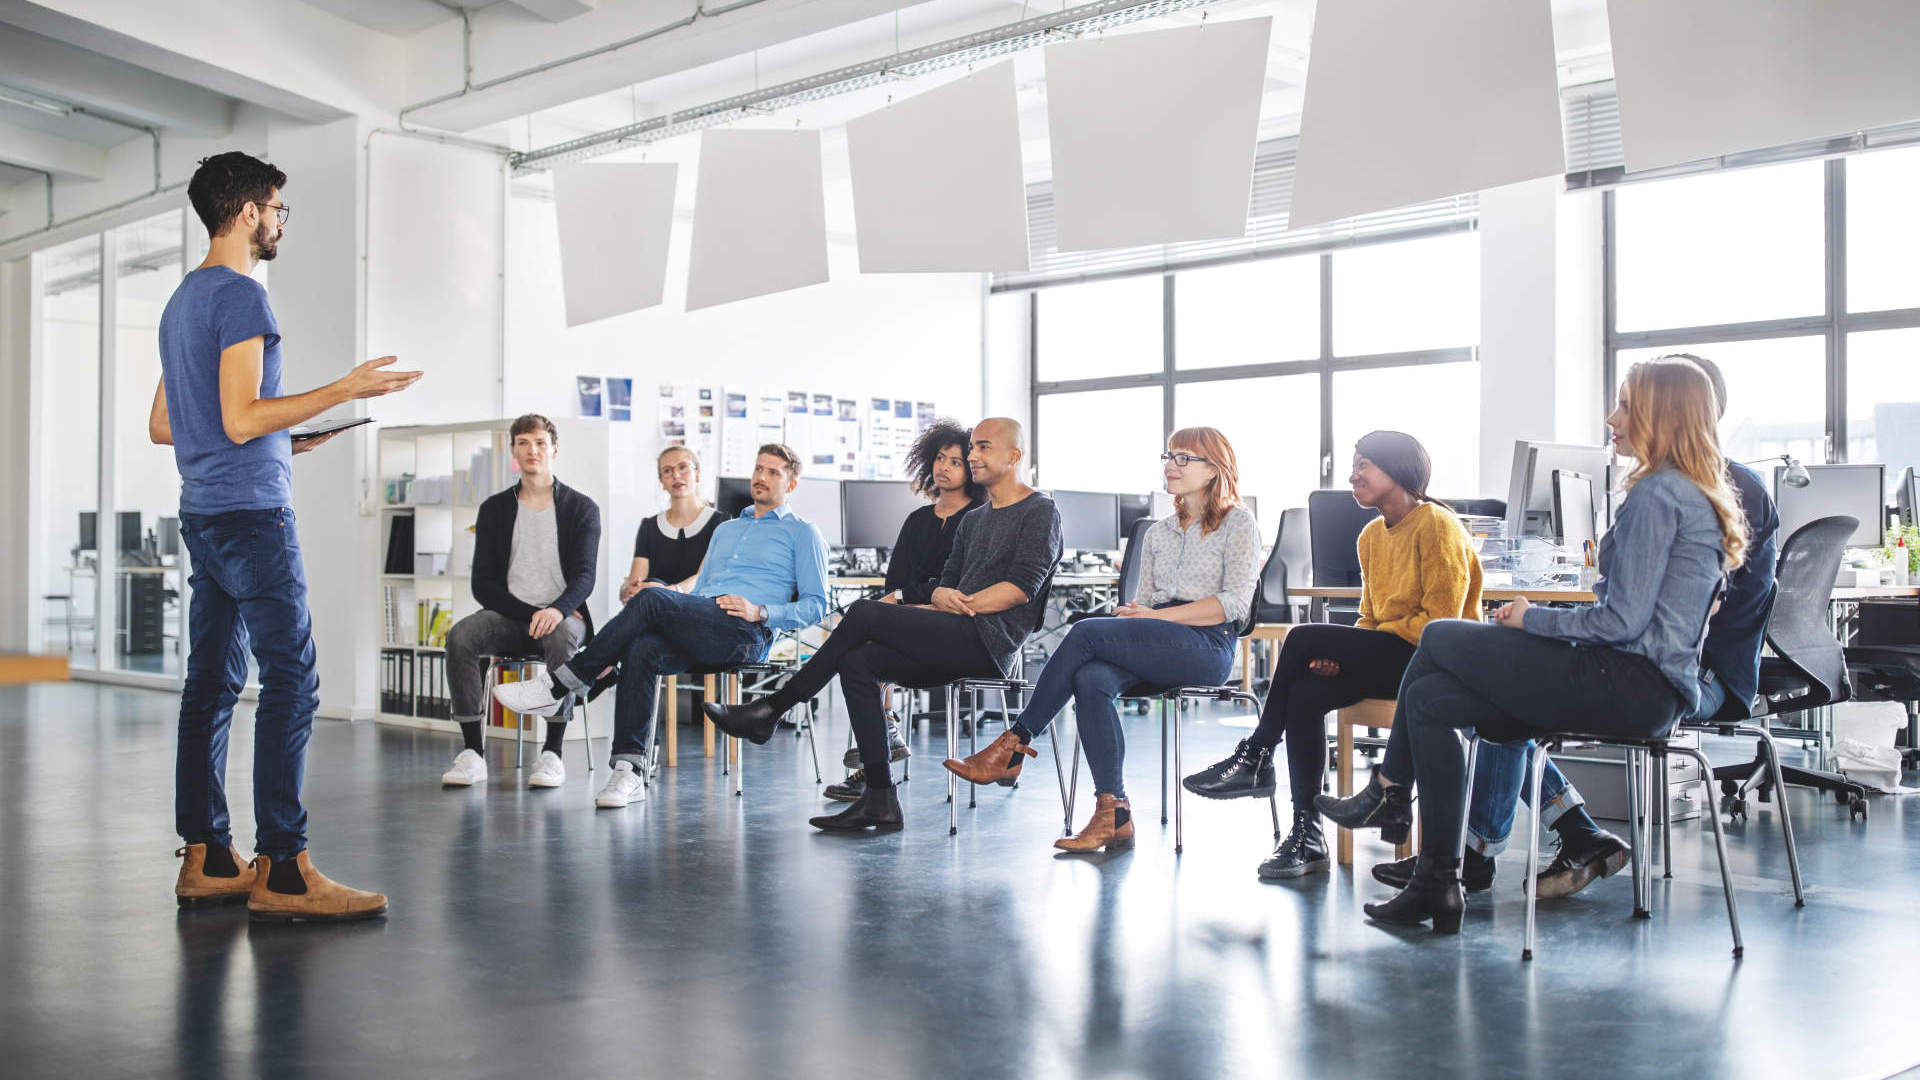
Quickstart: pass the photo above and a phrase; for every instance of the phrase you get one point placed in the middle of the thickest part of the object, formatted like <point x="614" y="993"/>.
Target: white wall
<point x="19" y="599"/>
<point x="917" y="335"/>
<point x="315" y="289"/>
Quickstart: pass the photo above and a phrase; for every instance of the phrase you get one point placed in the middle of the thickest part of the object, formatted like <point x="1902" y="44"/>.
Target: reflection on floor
<point x="707" y="935"/>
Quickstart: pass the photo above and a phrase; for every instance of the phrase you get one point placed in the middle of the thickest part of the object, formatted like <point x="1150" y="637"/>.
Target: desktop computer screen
<point x="132" y="534"/>
<point x="1089" y="520"/>
<point x="1906" y="497"/>
<point x="875" y="510"/>
<point x="1858" y="491"/>
<point x="818" y="501"/>
<point x="1530" y="486"/>
<point x="1573" y="509"/>
<point x="89" y="531"/>
<point x="1132" y="509"/>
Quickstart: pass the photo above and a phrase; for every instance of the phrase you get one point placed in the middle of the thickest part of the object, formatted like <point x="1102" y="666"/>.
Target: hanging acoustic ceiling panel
<point x="615" y="221"/>
<point x="759" y="216"/>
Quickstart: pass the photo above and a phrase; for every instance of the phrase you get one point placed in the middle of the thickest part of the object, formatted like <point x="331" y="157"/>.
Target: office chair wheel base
<point x="1856" y="807"/>
<point x="1844" y="798"/>
<point x="1735" y="807"/>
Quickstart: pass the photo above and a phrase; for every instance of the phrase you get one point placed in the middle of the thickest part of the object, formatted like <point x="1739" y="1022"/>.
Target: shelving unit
<point x="436" y="477"/>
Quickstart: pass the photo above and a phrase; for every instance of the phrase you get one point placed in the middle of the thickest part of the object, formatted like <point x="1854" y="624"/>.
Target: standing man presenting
<point x="220" y="407"/>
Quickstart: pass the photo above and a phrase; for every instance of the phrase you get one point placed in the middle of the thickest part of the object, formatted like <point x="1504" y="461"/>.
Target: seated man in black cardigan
<point x="536" y="547"/>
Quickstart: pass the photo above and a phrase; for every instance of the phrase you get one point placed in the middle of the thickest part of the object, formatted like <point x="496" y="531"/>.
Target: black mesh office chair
<point x="1129" y="572"/>
<point x="1808" y="668"/>
<point x="1334" y="522"/>
<point x="1883" y="662"/>
<point x="1288" y="565"/>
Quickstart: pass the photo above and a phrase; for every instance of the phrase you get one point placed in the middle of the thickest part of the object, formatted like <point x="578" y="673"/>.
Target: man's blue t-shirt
<point x="215" y="308"/>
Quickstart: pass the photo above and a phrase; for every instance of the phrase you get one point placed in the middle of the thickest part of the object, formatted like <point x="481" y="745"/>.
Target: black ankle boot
<point x="878" y="808"/>
<point x="1303" y="852"/>
<point x="1476" y="873"/>
<point x="1434" y="893"/>
<point x="854" y="786"/>
<point x="1389" y="809"/>
<point x="1247" y="773"/>
<point x="753" y="721"/>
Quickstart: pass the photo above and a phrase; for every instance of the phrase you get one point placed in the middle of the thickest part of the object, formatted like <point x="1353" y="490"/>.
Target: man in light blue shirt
<point x="765" y="571"/>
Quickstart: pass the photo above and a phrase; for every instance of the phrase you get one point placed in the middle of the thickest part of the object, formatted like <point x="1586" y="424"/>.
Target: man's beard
<point x="265" y="244"/>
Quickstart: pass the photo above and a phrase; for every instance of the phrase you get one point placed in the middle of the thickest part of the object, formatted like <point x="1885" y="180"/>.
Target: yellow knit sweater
<point x="1420" y="570"/>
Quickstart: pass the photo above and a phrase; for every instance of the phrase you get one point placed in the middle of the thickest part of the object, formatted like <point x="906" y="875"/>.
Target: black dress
<point x="674" y="555"/>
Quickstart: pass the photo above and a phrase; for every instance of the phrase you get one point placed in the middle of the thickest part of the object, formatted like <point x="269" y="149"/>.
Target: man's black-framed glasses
<point x="284" y="212"/>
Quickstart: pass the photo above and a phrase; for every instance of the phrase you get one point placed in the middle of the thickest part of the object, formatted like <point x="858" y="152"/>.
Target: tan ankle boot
<point x="999" y="763"/>
<point x="193" y="888"/>
<point x="1111" y="828"/>
<point x="324" y="901"/>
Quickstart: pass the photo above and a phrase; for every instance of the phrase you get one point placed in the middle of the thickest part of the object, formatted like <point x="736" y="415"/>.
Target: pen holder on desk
<point x="1589" y="576"/>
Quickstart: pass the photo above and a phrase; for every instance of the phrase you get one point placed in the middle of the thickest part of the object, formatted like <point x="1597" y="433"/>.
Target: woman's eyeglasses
<point x="1183" y="460"/>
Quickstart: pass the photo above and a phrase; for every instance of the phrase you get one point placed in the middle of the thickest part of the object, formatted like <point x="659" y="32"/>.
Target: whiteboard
<point x="1413" y="100"/>
<point x="1152" y="134"/>
<point x="614" y="225"/>
<point x="937" y="182"/>
<point x="759" y="216"/>
<point x="1702" y="78"/>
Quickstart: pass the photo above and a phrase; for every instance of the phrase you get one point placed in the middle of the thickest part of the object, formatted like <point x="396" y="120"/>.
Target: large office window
<point x="1816" y="326"/>
<point x="1292" y="357"/>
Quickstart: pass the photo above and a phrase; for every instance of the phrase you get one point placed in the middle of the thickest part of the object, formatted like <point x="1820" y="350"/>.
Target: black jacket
<point x="577" y="523"/>
<point x="920" y="554"/>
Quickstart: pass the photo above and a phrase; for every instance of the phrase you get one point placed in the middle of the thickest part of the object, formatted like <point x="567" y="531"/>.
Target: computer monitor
<point x="170" y="537"/>
<point x="1573" y="509"/>
<point x="818" y="501"/>
<point x="732" y="496"/>
<point x="1132" y="509"/>
<point x="1906" y="497"/>
<point x="1530" y="485"/>
<point x="875" y="510"/>
<point x="1089" y="520"/>
<point x="89" y="531"/>
<point x="1858" y="491"/>
<point x="1334" y="522"/>
<point x="132" y="533"/>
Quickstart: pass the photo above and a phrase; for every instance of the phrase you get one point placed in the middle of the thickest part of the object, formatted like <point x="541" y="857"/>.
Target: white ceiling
<point x="396" y="16"/>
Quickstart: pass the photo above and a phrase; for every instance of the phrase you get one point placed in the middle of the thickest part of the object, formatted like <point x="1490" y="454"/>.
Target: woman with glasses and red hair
<point x="1199" y="566"/>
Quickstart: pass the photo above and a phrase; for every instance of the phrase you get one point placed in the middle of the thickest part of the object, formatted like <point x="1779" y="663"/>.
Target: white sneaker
<point x="622" y="789"/>
<point x="529" y="697"/>
<point x="550" y="771"/>
<point x="468" y="769"/>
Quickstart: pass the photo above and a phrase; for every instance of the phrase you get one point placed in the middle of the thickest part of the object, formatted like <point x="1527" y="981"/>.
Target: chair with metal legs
<point x="970" y="690"/>
<point x="523" y="665"/>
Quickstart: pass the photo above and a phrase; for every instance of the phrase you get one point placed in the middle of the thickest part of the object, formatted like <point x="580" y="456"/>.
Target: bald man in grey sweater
<point x="991" y="597"/>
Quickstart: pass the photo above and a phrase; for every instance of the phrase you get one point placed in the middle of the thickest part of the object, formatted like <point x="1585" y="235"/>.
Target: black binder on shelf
<point x="400" y="545"/>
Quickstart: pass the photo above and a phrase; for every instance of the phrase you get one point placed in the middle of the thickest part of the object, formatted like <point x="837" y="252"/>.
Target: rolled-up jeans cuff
<point x="1484" y="846"/>
<point x="476" y="719"/>
<point x="565" y="677"/>
<point x="638" y="761"/>
<point x="1556" y="807"/>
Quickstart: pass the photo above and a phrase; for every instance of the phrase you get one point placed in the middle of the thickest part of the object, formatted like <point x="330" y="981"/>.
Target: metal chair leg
<point x="1720" y="849"/>
<point x="1163" y="761"/>
<point x="1180" y="711"/>
<point x="653" y="727"/>
<point x="1664" y="802"/>
<point x="1073" y="777"/>
<point x="973" y="742"/>
<point x="1273" y="804"/>
<point x="1059" y="771"/>
<point x="520" y="733"/>
<point x="487" y="683"/>
<point x="1780" y="805"/>
<point x="1473" y="758"/>
<point x="813" y="715"/>
<point x="739" y="745"/>
<point x="953" y="782"/>
<point x="1538" y="771"/>
<point x="1636" y="800"/>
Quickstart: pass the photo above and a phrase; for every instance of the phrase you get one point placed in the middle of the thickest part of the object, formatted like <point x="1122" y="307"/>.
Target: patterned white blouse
<point x="1181" y="566"/>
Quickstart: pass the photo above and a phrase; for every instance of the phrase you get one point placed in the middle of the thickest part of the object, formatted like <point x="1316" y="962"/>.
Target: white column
<point x="21" y="609"/>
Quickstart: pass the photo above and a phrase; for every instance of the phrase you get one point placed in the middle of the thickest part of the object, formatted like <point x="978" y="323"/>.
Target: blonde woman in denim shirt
<point x="1627" y="665"/>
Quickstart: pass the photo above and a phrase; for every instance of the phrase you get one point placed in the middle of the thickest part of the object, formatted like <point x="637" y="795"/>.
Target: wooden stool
<point x="1366" y="713"/>
<point x="1272" y="631"/>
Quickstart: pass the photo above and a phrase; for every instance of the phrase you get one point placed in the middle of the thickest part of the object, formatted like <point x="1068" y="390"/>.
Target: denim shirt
<point x="1660" y="567"/>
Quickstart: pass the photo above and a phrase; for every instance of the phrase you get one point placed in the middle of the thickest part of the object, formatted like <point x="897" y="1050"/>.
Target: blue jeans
<point x="659" y="632"/>
<point x="1102" y="659"/>
<point x="1477" y="675"/>
<point x="1500" y="783"/>
<point x="249" y="585"/>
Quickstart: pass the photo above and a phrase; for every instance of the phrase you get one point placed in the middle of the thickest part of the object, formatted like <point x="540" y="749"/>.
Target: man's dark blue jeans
<point x="249" y="585"/>
<point x="659" y="632"/>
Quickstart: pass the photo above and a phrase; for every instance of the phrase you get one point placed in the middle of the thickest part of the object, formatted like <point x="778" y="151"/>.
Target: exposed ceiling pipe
<point x="701" y="10"/>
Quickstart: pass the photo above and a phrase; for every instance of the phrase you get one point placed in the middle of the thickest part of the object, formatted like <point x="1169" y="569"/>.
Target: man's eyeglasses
<point x="285" y="212"/>
<point x="1183" y="460"/>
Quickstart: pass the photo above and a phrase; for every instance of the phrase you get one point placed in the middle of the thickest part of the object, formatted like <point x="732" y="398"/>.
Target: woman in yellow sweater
<point x="1417" y="565"/>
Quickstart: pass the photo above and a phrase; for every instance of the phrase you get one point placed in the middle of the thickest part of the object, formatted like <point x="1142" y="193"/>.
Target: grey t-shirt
<point x="533" y="564"/>
<point x="1019" y="544"/>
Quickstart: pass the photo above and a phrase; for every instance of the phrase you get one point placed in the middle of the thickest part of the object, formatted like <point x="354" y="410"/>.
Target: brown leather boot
<point x="324" y="900"/>
<point x="999" y="763"/>
<point x="1111" y="827"/>
<point x="194" y="888"/>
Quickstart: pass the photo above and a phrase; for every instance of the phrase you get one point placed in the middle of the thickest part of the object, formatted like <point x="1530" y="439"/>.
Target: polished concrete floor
<point x="704" y="935"/>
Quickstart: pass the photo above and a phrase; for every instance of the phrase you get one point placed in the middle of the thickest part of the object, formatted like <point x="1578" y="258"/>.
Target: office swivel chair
<point x="1288" y="565"/>
<point x="1334" y="522"/>
<point x="1808" y="668"/>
